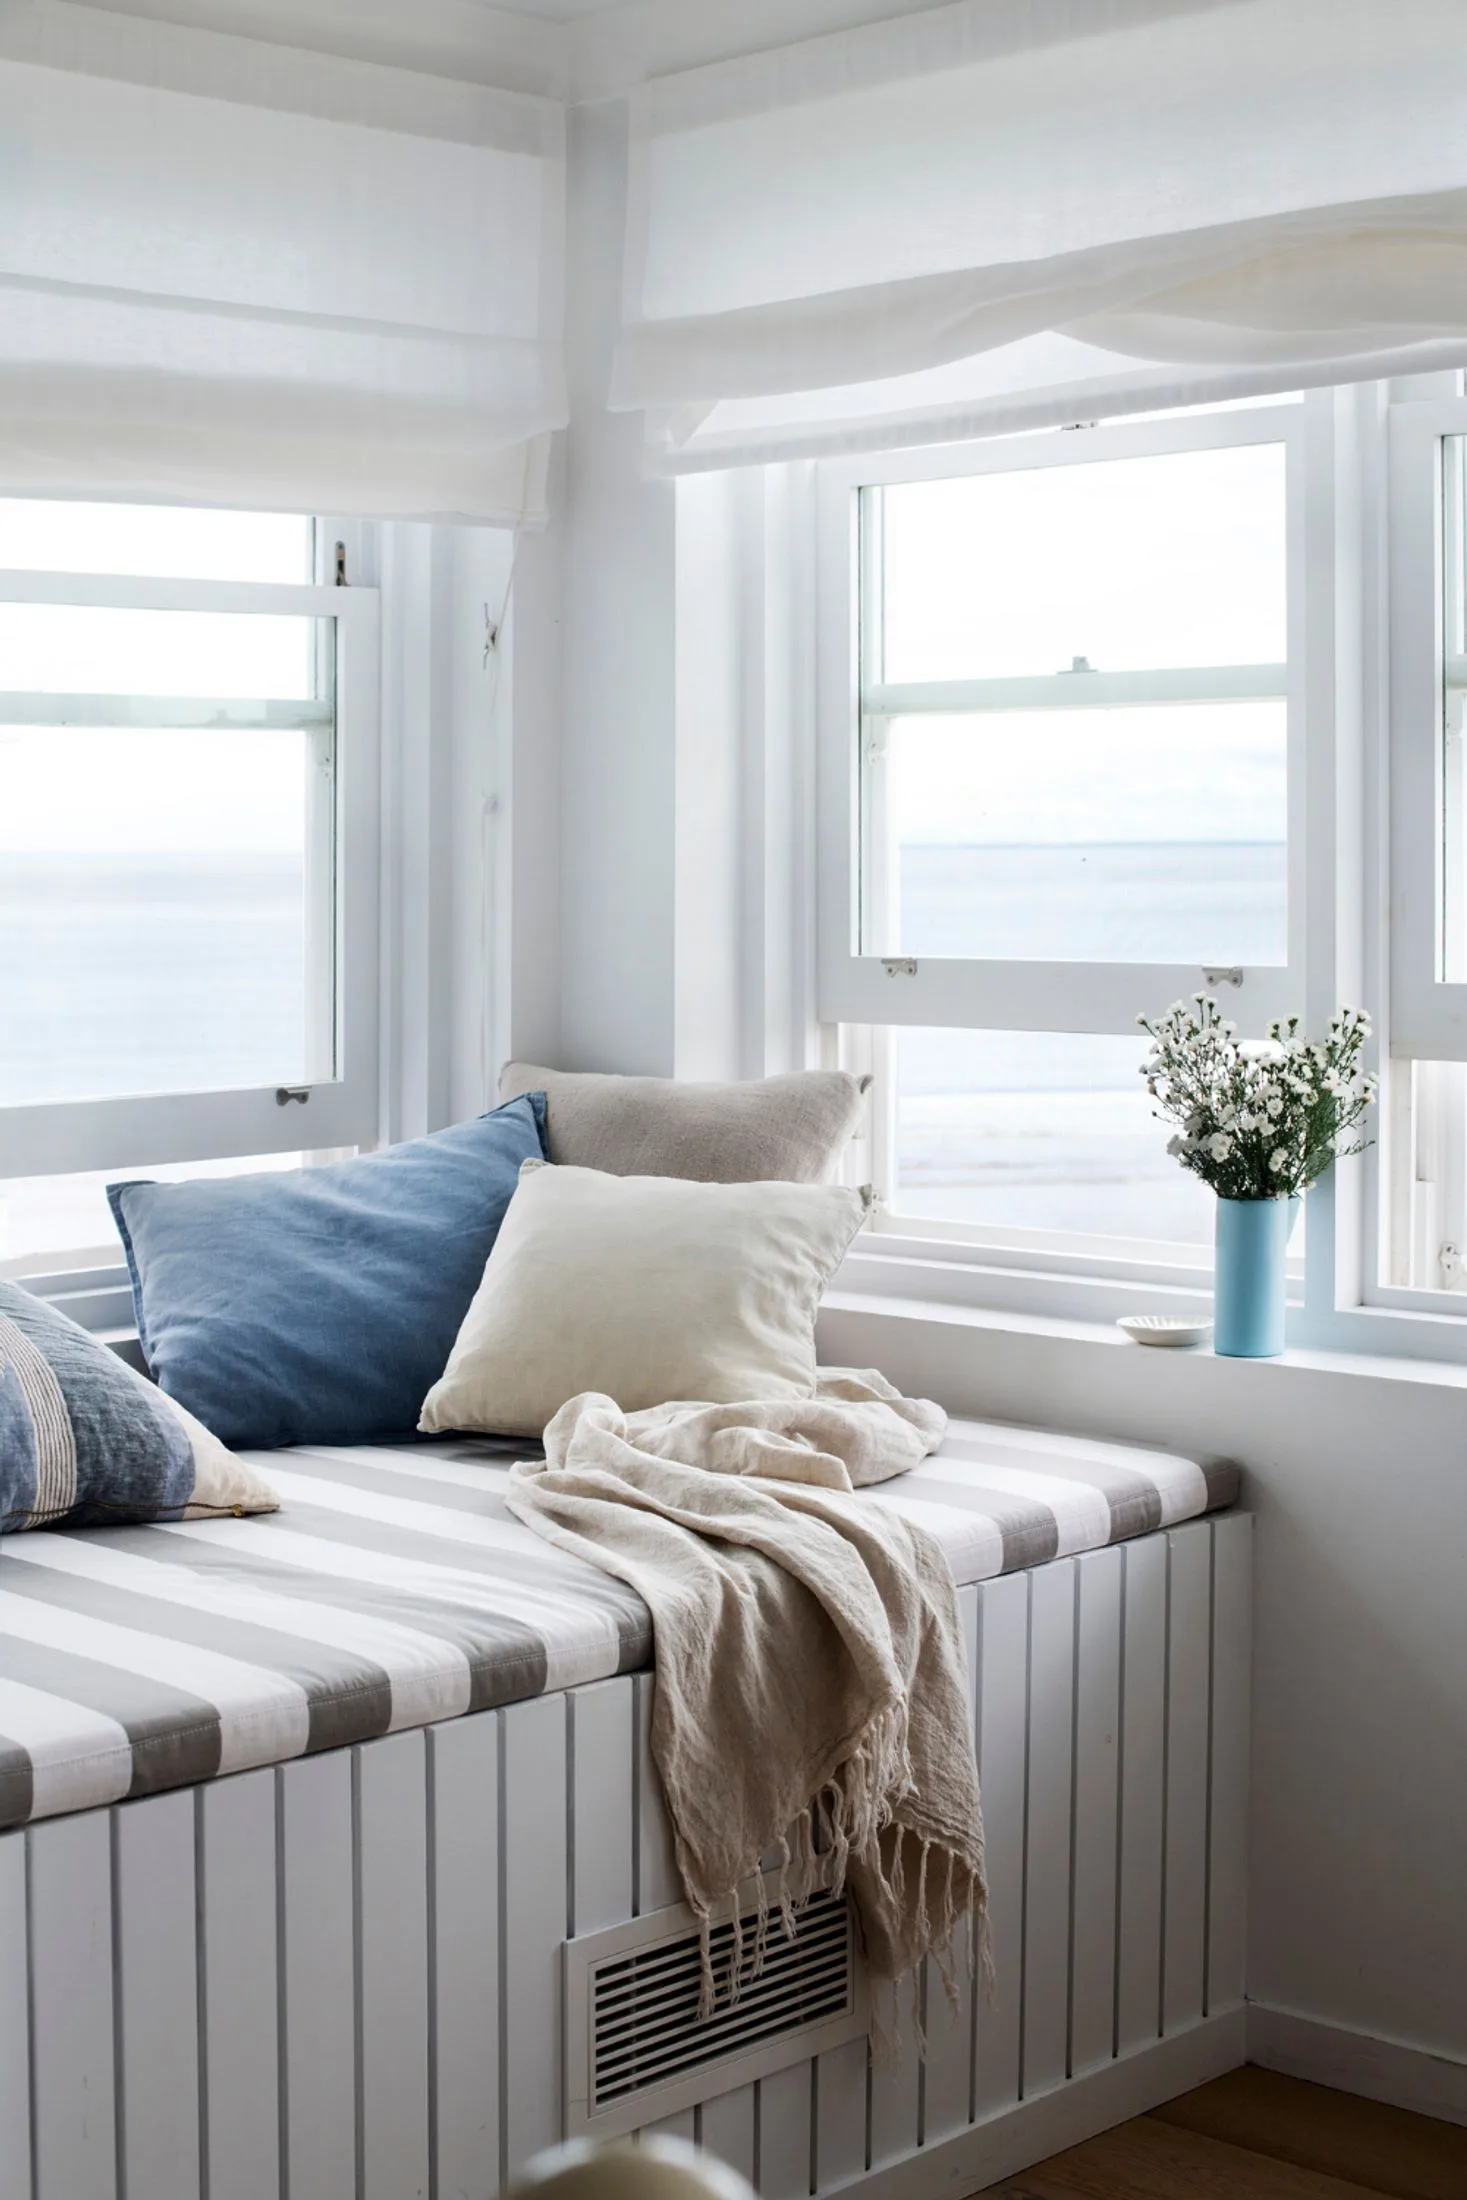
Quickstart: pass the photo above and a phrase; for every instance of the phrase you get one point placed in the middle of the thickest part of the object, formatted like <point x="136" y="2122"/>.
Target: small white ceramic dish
<point x="1164" y="1329"/>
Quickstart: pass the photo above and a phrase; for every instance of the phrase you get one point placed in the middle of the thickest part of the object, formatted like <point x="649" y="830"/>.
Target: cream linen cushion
<point x="791" y="1127"/>
<point x="647" y="1289"/>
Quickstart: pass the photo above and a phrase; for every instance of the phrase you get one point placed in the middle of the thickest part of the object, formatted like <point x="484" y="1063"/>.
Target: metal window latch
<point x="1233" y="975"/>
<point x="284" y="1094"/>
<point x="341" y="580"/>
<point x="899" y="966"/>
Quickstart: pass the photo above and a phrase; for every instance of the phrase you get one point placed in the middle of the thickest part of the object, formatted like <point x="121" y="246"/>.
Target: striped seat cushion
<point x="393" y="1588"/>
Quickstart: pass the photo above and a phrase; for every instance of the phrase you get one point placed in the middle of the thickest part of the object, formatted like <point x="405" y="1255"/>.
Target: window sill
<point x="957" y="1320"/>
<point x="944" y="1282"/>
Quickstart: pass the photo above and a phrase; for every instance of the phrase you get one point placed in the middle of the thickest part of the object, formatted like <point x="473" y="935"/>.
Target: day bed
<point x="307" y="1918"/>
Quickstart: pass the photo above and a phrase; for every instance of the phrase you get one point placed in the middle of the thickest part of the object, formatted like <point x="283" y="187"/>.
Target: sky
<point x="1136" y="565"/>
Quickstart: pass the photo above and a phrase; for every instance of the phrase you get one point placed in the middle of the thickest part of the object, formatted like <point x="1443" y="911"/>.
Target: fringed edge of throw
<point x="845" y="1819"/>
<point x="843" y="1824"/>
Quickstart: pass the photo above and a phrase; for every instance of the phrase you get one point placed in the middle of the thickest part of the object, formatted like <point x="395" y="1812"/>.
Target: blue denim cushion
<point x="86" y="1442"/>
<point x="320" y="1305"/>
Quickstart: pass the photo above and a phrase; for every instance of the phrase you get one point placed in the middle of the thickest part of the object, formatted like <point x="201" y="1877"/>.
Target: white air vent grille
<point x="635" y="2047"/>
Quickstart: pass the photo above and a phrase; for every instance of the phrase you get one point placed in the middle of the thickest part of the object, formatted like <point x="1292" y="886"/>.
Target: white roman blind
<point x="261" y="276"/>
<point x="1016" y="213"/>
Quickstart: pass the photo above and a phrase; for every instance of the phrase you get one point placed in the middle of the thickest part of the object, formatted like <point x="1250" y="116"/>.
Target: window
<point x="187" y="815"/>
<point x="1114" y="715"/>
<point x="1073" y="795"/>
<point x="1425" y="1181"/>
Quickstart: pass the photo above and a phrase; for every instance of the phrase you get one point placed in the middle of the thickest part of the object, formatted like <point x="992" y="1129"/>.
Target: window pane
<point x="1130" y="564"/>
<point x="69" y="649"/>
<point x="1146" y="835"/>
<point x="1425" y="1106"/>
<point x="1454" y="711"/>
<point x="155" y="541"/>
<point x="1038" y="1131"/>
<point x="160" y="915"/>
<point x="46" y="1221"/>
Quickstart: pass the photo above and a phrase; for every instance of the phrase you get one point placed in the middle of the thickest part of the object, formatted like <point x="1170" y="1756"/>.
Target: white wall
<point x="618" y="731"/>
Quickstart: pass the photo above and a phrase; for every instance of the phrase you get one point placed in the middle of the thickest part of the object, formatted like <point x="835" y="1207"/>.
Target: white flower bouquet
<point x="1259" y="1119"/>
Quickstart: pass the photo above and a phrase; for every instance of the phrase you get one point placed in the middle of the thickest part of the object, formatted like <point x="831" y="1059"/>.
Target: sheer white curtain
<point x="1020" y="212"/>
<point x="243" y="274"/>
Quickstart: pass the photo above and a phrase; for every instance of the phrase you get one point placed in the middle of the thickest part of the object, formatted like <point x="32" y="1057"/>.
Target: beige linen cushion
<point x="647" y="1289"/>
<point x="789" y="1128"/>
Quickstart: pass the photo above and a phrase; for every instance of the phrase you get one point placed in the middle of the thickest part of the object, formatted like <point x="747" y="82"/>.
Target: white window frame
<point x="1364" y="647"/>
<point x="865" y="989"/>
<point x="1428" y="1014"/>
<point x="341" y="1108"/>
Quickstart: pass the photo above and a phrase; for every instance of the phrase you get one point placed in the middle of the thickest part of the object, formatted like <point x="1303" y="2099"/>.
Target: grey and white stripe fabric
<point x="393" y="1588"/>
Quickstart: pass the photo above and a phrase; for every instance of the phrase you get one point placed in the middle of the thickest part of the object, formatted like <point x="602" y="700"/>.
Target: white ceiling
<point x="559" y="11"/>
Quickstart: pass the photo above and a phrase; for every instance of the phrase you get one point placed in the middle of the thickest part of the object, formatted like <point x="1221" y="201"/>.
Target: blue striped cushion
<point x="85" y="1441"/>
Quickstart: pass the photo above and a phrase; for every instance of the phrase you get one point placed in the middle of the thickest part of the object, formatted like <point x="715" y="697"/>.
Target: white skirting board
<point x="1356" y="2062"/>
<point x="342" y="1979"/>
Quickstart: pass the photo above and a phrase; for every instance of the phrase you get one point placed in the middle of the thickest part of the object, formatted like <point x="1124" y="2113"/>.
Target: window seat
<point x="394" y="1590"/>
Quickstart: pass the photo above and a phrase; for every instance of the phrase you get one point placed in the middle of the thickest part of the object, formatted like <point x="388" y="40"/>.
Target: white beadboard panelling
<point x="15" y="2046"/>
<point x="1003" y="1679"/>
<point x="157" y="1996"/>
<point x="784" y="2135"/>
<point x="1143" y="1716"/>
<point x="604" y="1758"/>
<point x="1184" y="1912"/>
<point x="319" y="1977"/>
<point x="895" y="2107"/>
<point x="534" y="1925"/>
<point x="392" y="1931"/>
<point x="682" y="2126"/>
<point x="947" y="2088"/>
<point x="1232" y="1639"/>
<point x="840" y="2113"/>
<point x="464" y="1779"/>
<point x="1097" y="1752"/>
<point x="74" y="2132"/>
<point x="379" y="1932"/>
<point x="726" y="2125"/>
<point x="241" y="1994"/>
<point x="1047" y="1847"/>
<point x="657" y="1880"/>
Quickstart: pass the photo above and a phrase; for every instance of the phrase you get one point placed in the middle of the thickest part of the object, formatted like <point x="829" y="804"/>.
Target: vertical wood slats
<point x="1143" y="1762"/>
<point x="655" y="1881"/>
<point x="239" y="1987"/>
<point x="463" y="1759"/>
<point x="1003" y="1688"/>
<point x="1096" y="1795"/>
<point x="15" y="2086"/>
<point x="1189" y="1622"/>
<point x="533" y="1873"/>
<point x="1232" y="1675"/>
<point x="318" y="1977"/>
<point x="325" y="1970"/>
<point x="1048" y="1831"/>
<point x="947" y="2077"/>
<point x="157" y="2013"/>
<point x="392" y="1952"/>
<point x="73" y="2049"/>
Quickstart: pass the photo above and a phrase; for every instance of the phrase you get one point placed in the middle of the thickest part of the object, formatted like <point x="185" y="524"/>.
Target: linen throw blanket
<point x="811" y="1694"/>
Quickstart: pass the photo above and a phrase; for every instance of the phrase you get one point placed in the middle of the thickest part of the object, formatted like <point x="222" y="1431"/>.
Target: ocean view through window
<point x="1075" y="762"/>
<point x="171" y="883"/>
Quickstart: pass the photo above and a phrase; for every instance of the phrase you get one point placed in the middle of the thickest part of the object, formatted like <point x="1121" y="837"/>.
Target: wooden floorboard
<point x="1150" y="2160"/>
<point x="1388" y="2150"/>
<point x="1257" y="2136"/>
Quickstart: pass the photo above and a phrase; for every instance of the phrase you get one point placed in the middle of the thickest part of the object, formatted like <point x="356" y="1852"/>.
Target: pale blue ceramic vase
<point x="1249" y="1279"/>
